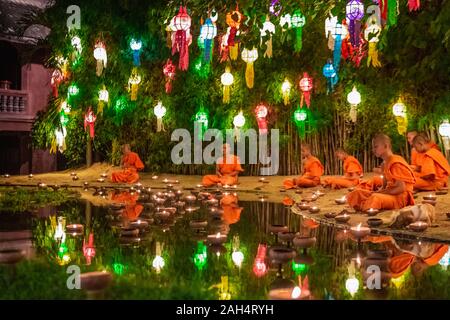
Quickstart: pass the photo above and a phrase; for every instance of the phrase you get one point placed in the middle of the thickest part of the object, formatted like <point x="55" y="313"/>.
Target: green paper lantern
<point x="201" y="256"/>
<point x="201" y="118"/>
<point x="300" y="118"/>
<point x="73" y="90"/>
<point x="121" y="104"/>
<point x="299" y="268"/>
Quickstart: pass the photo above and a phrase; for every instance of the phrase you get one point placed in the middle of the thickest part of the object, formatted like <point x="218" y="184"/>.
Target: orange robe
<point x="231" y="210"/>
<point x="417" y="157"/>
<point x="432" y="162"/>
<point x="132" y="164"/>
<point x="399" y="264"/>
<point x="351" y="167"/>
<point x="371" y="184"/>
<point x="312" y="172"/>
<point x="396" y="169"/>
<point x="132" y="208"/>
<point x="231" y="163"/>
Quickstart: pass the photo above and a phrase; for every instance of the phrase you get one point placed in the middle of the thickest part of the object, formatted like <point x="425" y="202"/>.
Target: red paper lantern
<point x="261" y="112"/>
<point x="306" y="85"/>
<point x="89" y="120"/>
<point x="169" y="71"/>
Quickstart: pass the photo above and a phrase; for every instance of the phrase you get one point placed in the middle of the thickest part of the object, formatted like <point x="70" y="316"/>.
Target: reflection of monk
<point x="312" y="171"/>
<point x="227" y="169"/>
<point x="131" y="164"/>
<point x="352" y="172"/>
<point x="399" y="181"/>
<point x="231" y="209"/>
<point x="132" y="208"/>
<point x="432" y="168"/>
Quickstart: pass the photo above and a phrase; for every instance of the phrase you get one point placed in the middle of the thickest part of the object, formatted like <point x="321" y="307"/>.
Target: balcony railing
<point x="13" y="101"/>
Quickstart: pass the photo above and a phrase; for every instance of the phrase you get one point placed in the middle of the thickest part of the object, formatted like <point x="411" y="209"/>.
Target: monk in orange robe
<point x="231" y="209"/>
<point x="417" y="157"/>
<point x="399" y="181"/>
<point x="312" y="171"/>
<point x="433" y="170"/>
<point x="352" y="172"/>
<point x="130" y="164"/>
<point x="227" y="169"/>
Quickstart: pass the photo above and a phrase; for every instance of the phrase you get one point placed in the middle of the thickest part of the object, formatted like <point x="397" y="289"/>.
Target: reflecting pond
<point x="169" y="244"/>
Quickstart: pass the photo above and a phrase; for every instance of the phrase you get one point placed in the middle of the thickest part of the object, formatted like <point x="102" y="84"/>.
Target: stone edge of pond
<point x="409" y="235"/>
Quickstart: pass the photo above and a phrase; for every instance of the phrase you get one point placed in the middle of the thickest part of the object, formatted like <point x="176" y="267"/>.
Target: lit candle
<point x="360" y="232"/>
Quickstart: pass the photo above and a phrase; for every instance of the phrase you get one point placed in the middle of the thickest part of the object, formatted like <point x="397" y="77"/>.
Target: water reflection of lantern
<point x="201" y="256"/>
<point x="298" y="20"/>
<point x="224" y="289"/>
<point x="399" y="111"/>
<point x="89" y="249"/>
<point x="237" y="256"/>
<point x="160" y="111"/>
<point x="158" y="262"/>
<point x="259" y="265"/>
<point x="136" y="46"/>
<point x="261" y="112"/>
<point x="352" y="284"/>
<point x="444" y="131"/>
<point x="445" y="260"/>
<point x="101" y="57"/>
<point x="306" y="85"/>
<point x="249" y="56"/>
<point x="354" y="98"/>
<point x="133" y="83"/>
<point x="285" y="91"/>
<point x="354" y="12"/>
<point x="60" y="235"/>
<point x="169" y="70"/>
<point x="208" y="32"/>
<point x="227" y="80"/>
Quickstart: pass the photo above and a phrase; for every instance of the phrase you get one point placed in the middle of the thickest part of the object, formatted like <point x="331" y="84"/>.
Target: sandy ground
<point x="249" y="189"/>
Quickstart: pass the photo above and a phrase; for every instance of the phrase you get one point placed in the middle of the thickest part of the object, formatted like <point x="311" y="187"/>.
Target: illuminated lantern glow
<point x="259" y="265"/>
<point x="73" y="90"/>
<point x="64" y="106"/>
<point x="224" y="289"/>
<point x="389" y="9"/>
<point x="298" y="20"/>
<point x="354" y="12"/>
<point x="354" y="98"/>
<point x="201" y="121"/>
<point x="169" y="71"/>
<point x="103" y="98"/>
<point x="160" y="111"/>
<point x="275" y="7"/>
<point x="300" y="118"/>
<point x="121" y="104"/>
<point x="249" y="56"/>
<point x="413" y="5"/>
<point x="238" y="122"/>
<point x="398" y="282"/>
<point x="285" y="91"/>
<point x="76" y="44"/>
<point x="89" y="121"/>
<point x="285" y="20"/>
<point x="60" y="234"/>
<point x="261" y="112"/>
<point x="60" y="140"/>
<point x="118" y="268"/>
<point x="201" y="256"/>
<point x="63" y="66"/>
<point x="306" y="85"/>
<point x="89" y="249"/>
<point x="330" y="73"/>
<point x="372" y="34"/>
<point x="330" y="24"/>
<point x="267" y="29"/>
<point x="181" y="37"/>
<point x="208" y="32"/>
<point x="299" y="268"/>
<point x="238" y="258"/>
<point x="338" y="33"/>
<point x="136" y="46"/>
<point x="158" y="262"/>
<point x="101" y="57"/>
<point x="399" y="111"/>
<point x="233" y="20"/>
<point x="445" y="260"/>
<point x="444" y="131"/>
<point x="133" y="84"/>
<point x="352" y="285"/>
<point x="57" y="78"/>
<point x="227" y="80"/>
<point x="62" y="250"/>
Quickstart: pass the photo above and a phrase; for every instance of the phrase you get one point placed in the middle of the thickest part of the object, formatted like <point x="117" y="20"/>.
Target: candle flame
<point x="358" y="227"/>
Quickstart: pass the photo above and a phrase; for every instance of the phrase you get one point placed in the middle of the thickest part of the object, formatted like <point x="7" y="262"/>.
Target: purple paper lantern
<point x="354" y="12"/>
<point x="275" y="7"/>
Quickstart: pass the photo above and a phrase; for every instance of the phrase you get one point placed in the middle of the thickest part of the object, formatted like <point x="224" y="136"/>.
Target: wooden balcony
<point x="13" y="102"/>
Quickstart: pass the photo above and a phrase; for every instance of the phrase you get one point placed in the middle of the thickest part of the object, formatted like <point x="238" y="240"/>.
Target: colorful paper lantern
<point x="354" y="12"/>
<point x="159" y="111"/>
<point x="181" y="37"/>
<point x="208" y="32"/>
<point x="399" y="111"/>
<point x="238" y="258"/>
<point x="285" y="91"/>
<point x="389" y="9"/>
<point x="249" y="56"/>
<point x="300" y="118"/>
<point x="60" y="140"/>
<point x="268" y="29"/>
<point x="60" y="228"/>
<point x="352" y="285"/>
<point x="233" y="20"/>
<point x="136" y="46"/>
<point x="103" y="98"/>
<point x="89" y="121"/>
<point x="261" y="112"/>
<point x="89" y="249"/>
<point x="413" y="5"/>
<point x="73" y="90"/>
<point x="101" y="57"/>
<point x="201" y="256"/>
<point x="275" y="7"/>
<point x="298" y="20"/>
<point x="133" y="84"/>
<point x="338" y="33"/>
<point x="121" y="104"/>
<point x="201" y="118"/>
<point x="76" y="44"/>
<point x="444" y="131"/>
<point x="238" y="122"/>
<point x="445" y="260"/>
<point x="330" y="24"/>
<point x="259" y="265"/>
<point x="169" y="71"/>
<point x="306" y="85"/>
<point x="57" y="78"/>
<point x="354" y="98"/>
<point x="330" y="73"/>
<point x="227" y="80"/>
<point x="372" y="34"/>
<point x="285" y="22"/>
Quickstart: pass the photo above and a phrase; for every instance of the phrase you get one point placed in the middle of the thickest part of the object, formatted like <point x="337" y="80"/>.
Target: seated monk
<point x="399" y="181"/>
<point x="417" y="157"/>
<point x="433" y="169"/>
<point x="312" y="171"/>
<point x="352" y="172"/>
<point x="130" y="164"/>
<point x="227" y="169"/>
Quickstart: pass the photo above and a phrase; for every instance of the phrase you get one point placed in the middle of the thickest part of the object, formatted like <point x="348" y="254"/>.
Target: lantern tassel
<point x="100" y="107"/>
<point x="413" y="5"/>
<point x="383" y="9"/>
<point x="226" y="94"/>
<point x="208" y="49"/>
<point x="446" y="141"/>
<point x="373" y="55"/>
<point x="286" y="98"/>
<point x="134" y="91"/>
<point x="337" y="52"/>
<point x="168" y="85"/>
<point x="159" y="125"/>
<point x="231" y="36"/>
<point x="234" y="51"/>
<point x="249" y="75"/>
<point x="262" y="125"/>
<point x="353" y="113"/>
<point x="351" y="30"/>
<point x="357" y="32"/>
<point x="99" y="69"/>
<point x="268" y="53"/>
<point x="53" y="145"/>
<point x="392" y="12"/>
<point x="307" y="95"/>
<point x="136" y="58"/>
<point x="330" y="42"/>
<point x="236" y="134"/>
<point x="298" y="39"/>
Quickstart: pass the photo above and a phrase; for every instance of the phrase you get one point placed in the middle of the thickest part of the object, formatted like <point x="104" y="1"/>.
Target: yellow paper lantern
<point x="133" y="83"/>
<point x="249" y="56"/>
<point x="285" y="91"/>
<point x="227" y="80"/>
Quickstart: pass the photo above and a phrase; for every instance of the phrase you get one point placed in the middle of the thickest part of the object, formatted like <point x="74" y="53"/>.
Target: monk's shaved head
<point x="410" y="136"/>
<point x="306" y="146"/>
<point x="383" y="139"/>
<point x="420" y="143"/>
<point x="420" y="139"/>
<point x="381" y="145"/>
<point x="126" y="147"/>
